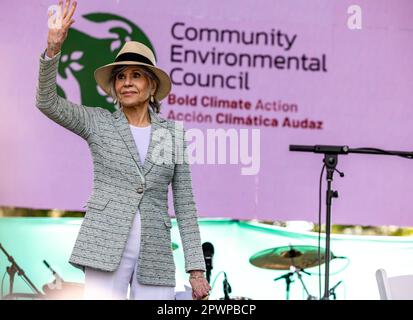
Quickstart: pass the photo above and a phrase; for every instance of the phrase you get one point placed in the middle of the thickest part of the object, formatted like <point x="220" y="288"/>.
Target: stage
<point x="32" y="240"/>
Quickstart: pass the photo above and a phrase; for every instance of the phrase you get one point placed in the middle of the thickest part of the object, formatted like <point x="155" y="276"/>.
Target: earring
<point x="115" y="101"/>
<point x="152" y="99"/>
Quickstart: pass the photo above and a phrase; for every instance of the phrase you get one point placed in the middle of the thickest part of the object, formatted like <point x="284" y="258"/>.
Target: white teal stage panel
<point x="32" y="240"/>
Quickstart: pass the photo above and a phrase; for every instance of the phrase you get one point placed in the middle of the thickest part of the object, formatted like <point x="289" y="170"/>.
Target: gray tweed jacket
<point x="122" y="185"/>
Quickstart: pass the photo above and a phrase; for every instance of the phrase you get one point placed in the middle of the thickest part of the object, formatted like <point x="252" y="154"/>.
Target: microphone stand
<point x="11" y="270"/>
<point x="288" y="282"/>
<point x="227" y="288"/>
<point x="330" y="160"/>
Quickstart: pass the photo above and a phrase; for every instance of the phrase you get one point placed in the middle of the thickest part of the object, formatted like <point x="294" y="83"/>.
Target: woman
<point x="125" y="236"/>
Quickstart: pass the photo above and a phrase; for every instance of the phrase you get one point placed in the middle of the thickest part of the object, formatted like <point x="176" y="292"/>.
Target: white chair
<point x="394" y="288"/>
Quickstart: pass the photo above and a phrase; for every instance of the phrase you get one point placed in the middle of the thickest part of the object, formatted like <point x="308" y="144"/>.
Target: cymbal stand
<point x="11" y="270"/>
<point x="297" y="271"/>
<point x="332" y="290"/>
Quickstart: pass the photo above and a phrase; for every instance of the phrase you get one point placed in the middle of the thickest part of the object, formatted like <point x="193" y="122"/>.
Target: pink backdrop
<point x="363" y="99"/>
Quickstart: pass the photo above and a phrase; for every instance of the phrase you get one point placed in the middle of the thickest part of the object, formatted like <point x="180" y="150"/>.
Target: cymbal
<point x="282" y="258"/>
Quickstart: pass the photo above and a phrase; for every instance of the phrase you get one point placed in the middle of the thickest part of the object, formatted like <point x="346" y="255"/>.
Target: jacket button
<point x="140" y="190"/>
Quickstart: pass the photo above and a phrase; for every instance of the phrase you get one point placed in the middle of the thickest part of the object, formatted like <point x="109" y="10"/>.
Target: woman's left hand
<point x="200" y="286"/>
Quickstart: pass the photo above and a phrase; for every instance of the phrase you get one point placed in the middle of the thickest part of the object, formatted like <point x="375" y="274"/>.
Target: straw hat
<point x="134" y="53"/>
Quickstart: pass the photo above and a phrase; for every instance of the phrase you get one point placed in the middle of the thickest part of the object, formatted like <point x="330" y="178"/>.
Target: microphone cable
<point x="216" y="277"/>
<point x="319" y="229"/>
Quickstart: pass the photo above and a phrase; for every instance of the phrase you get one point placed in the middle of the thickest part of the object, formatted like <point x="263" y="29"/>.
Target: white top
<point x="142" y="137"/>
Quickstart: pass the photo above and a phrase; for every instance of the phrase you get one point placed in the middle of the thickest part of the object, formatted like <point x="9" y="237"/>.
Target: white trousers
<point x="103" y="285"/>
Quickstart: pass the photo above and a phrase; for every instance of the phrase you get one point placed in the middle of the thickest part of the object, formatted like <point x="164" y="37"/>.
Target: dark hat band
<point x="130" y="56"/>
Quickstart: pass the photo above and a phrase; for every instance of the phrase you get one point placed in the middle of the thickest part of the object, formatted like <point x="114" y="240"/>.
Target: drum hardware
<point x="295" y="259"/>
<point x="226" y="287"/>
<point x="288" y="282"/>
<point x="12" y="270"/>
<point x="332" y="291"/>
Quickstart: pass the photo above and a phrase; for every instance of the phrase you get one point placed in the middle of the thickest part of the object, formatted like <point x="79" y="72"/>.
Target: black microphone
<point x="57" y="276"/>
<point x="320" y="149"/>
<point x="208" y="250"/>
<point x="227" y="288"/>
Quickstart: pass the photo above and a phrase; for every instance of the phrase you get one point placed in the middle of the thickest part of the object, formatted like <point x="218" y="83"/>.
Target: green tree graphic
<point x="82" y="54"/>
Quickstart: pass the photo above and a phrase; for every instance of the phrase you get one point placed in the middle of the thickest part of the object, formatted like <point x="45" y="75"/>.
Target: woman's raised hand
<point x="59" y="25"/>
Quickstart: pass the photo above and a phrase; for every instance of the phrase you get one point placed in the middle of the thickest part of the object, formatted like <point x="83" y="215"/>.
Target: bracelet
<point x="196" y="277"/>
